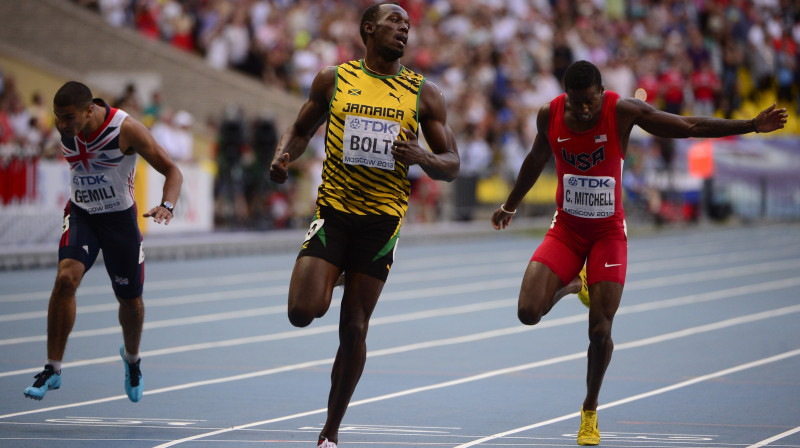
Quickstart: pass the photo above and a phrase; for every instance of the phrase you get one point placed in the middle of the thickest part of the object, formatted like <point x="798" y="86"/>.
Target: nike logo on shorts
<point x="612" y="265"/>
<point x="559" y="139"/>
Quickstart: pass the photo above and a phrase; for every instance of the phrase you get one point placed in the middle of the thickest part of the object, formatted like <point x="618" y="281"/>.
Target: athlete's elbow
<point x="449" y="175"/>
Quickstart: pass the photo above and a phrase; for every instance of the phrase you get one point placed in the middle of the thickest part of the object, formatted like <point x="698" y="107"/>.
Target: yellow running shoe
<point x="583" y="294"/>
<point x="588" y="434"/>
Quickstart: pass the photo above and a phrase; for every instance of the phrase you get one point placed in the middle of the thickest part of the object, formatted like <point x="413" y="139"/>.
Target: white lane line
<point x="424" y="264"/>
<point x="263" y="292"/>
<point x="718" y="274"/>
<point x="429" y="344"/>
<point x="389" y="296"/>
<point x="293" y="333"/>
<point x="559" y="359"/>
<point x="165" y="323"/>
<point x="637" y="397"/>
<point x="628" y="309"/>
<point x="782" y="435"/>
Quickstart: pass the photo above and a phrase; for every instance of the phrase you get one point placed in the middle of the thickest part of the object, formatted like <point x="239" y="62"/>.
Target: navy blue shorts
<point x="117" y="235"/>
<point x="354" y="243"/>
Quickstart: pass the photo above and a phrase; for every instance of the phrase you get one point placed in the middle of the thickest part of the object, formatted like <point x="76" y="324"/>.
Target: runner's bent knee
<point x="529" y="315"/>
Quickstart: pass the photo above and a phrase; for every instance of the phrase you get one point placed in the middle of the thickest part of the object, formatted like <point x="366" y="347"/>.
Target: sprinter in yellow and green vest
<point x="374" y="109"/>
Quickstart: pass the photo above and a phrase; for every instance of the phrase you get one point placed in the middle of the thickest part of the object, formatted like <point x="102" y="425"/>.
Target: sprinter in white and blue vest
<point x="101" y="144"/>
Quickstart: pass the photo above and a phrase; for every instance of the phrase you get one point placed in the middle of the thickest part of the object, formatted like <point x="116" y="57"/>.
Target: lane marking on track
<point x="422" y="265"/>
<point x="662" y="304"/>
<point x="506" y="282"/>
<point x="782" y="435"/>
<point x="637" y="397"/>
<point x="294" y="333"/>
<point x="485" y="375"/>
<point x="559" y="359"/>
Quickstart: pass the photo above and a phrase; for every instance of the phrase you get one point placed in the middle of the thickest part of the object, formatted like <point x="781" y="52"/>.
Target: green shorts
<point x="354" y="243"/>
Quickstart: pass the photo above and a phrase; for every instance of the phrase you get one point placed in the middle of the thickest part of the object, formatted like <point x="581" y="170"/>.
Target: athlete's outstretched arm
<point x="313" y="112"/>
<point x="529" y="172"/>
<point x="663" y="124"/>
<point x="442" y="162"/>
<point x="134" y="137"/>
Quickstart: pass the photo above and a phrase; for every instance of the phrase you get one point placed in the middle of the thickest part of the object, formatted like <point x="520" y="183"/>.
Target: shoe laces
<point x="135" y="372"/>
<point x="43" y="376"/>
<point x="588" y="422"/>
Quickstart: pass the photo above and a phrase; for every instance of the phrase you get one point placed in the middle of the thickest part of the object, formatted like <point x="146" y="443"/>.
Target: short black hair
<point x="582" y="75"/>
<point x="73" y="93"/>
<point x="370" y="15"/>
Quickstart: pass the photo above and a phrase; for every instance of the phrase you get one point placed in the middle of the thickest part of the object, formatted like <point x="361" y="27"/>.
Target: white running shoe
<point x="324" y="443"/>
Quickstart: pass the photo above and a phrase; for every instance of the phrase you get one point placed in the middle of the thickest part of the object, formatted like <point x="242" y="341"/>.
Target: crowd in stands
<point x="498" y="61"/>
<point x="26" y="133"/>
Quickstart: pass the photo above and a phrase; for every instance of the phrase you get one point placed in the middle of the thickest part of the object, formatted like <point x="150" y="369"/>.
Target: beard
<point x="391" y="54"/>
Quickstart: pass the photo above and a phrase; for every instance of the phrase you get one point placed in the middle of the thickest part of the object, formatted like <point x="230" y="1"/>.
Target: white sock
<point x="130" y="358"/>
<point x="56" y="365"/>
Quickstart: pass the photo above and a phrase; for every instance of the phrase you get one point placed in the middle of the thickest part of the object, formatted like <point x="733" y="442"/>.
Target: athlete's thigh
<point x="121" y="242"/>
<point x="373" y="244"/>
<point x="608" y="258"/>
<point x="78" y="239"/>
<point x="327" y="237"/>
<point x="311" y="286"/>
<point x="539" y="285"/>
<point x="606" y="297"/>
<point x="562" y="253"/>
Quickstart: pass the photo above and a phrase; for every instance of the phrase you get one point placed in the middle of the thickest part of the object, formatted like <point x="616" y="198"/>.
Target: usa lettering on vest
<point x="584" y="161"/>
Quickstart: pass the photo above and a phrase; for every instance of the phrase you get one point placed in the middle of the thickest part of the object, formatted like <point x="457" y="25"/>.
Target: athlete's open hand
<point x="159" y="214"/>
<point x="408" y="151"/>
<point x="279" y="169"/>
<point x="770" y="119"/>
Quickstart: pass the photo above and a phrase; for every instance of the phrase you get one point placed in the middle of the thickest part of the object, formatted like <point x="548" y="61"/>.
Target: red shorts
<point x="572" y="241"/>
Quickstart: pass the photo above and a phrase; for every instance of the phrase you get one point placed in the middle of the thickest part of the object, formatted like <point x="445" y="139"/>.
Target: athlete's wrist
<point x="168" y="205"/>
<point x="510" y="212"/>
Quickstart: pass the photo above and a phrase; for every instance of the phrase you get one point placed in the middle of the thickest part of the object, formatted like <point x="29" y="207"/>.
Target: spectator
<point x="476" y="157"/>
<point x="488" y="57"/>
<point x="705" y="88"/>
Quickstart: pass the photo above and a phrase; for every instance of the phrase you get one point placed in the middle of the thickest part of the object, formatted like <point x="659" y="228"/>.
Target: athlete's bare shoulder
<point x="432" y="101"/>
<point x="629" y="110"/>
<point x="323" y="85"/>
<point x="543" y="119"/>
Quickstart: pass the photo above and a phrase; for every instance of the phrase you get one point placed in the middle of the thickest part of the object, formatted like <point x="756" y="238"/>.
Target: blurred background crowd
<point x="496" y="61"/>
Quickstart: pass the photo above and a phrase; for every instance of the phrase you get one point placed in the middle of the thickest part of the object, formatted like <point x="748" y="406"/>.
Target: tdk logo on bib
<point x="591" y="182"/>
<point x="368" y="141"/>
<point x="94" y="179"/>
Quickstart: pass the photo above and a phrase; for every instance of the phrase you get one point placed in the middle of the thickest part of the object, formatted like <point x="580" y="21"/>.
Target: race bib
<point x="589" y="196"/>
<point x="368" y="141"/>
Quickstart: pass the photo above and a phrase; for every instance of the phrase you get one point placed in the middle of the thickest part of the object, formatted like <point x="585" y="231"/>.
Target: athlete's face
<point x="585" y="104"/>
<point x="391" y="31"/>
<point x="71" y="120"/>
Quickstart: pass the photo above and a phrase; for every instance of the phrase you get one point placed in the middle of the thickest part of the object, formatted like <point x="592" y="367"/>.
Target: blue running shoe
<point x="133" y="378"/>
<point x="46" y="380"/>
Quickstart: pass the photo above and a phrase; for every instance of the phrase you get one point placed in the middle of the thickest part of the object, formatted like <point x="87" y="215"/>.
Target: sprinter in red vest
<point x="587" y="130"/>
